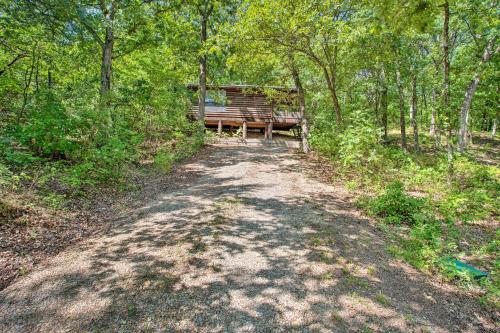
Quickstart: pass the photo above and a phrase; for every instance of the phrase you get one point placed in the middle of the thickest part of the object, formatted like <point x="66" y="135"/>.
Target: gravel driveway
<point x="245" y="242"/>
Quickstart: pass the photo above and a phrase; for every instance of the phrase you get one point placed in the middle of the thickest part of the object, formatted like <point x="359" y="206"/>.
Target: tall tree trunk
<point x="402" y="122"/>
<point x="471" y="89"/>
<point x="414" y="112"/>
<point x="28" y="75"/>
<point x="37" y="74"/>
<point x="495" y="125"/>
<point x="330" y="81"/>
<point x="106" y="64"/>
<point x="107" y="49"/>
<point x="376" y="104"/>
<point x="424" y="101"/>
<point x="384" y="103"/>
<point x="432" y="128"/>
<point x="446" y="90"/>
<point x="49" y="78"/>
<point x="435" y="117"/>
<point x="302" y="107"/>
<point x="203" y="69"/>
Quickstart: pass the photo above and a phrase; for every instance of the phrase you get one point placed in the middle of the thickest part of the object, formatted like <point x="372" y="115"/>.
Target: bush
<point x="5" y="176"/>
<point x="105" y="163"/>
<point x="49" y="129"/>
<point x="396" y="207"/>
<point x="182" y="146"/>
<point x="422" y="247"/>
<point x="355" y="144"/>
<point x="359" y="141"/>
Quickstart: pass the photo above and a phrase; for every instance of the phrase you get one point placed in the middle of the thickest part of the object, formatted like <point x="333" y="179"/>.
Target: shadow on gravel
<point x="216" y="255"/>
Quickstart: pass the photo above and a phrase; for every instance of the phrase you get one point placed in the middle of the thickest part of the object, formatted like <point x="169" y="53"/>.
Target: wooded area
<point x="401" y="96"/>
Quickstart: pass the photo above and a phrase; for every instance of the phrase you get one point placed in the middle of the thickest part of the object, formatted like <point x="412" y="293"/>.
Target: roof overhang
<point x="242" y="87"/>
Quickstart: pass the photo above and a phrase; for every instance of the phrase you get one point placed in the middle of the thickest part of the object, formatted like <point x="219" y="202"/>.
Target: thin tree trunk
<point x="414" y="113"/>
<point x="330" y="81"/>
<point x="203" y="70"/>
<point x="302" y="108"/>
<point x="471" y="89"/>
<point x="106" y="65"/>
<point x="495" y="125"/>
<point x="410" y="103"/>
<point x="446" y="90"/>
<point x="49" y="78"/>
<point x="424" y="101"/>
<point x="432" y="128"/>
<point x="37" y="83"/>
<point x="376" y="104"/>
<point x="384" y="102"/>
<point x="435" y="116"/>
<point x="107" y="51"/>
<point x="402" y="122"/>
<point x="27" y="84"/>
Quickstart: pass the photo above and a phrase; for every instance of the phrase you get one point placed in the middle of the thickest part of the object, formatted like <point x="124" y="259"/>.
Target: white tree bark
<point x="471" y="89"/>
<point x="414" y="113"/>
<point x="495" y="126"/>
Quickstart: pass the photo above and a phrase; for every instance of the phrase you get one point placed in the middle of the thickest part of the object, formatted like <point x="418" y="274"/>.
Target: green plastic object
<point x="463" y="267"/>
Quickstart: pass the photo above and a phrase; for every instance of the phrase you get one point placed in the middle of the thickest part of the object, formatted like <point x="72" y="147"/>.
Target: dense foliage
<point x="91" y="89"/>
<point x="54" y="108"/>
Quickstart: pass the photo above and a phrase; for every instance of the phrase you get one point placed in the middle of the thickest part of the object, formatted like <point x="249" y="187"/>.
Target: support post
<point x="270" y="129"/>
<point x="244" y="130"/>
<point x="266" y="133"/>
<point x="219" y="128"/>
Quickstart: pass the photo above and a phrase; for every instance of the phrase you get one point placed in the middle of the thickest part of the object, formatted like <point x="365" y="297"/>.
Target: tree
<point x="104" y="22"/>
<point x="495" y="126"/>
<point x="402" y="121"/>
<point x="446" y="85"/>
<point x="414" y="111"/>
<point x="205" y="9"/>
<point x="313" y="28"/>
<point x="302" y="105"/>
<point x="488" y="53"/>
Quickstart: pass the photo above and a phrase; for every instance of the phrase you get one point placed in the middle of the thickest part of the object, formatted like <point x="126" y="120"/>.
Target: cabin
<point x="249" y="107"/>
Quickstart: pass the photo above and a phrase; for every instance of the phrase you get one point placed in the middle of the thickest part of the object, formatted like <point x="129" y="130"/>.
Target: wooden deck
<point x="249" y="109"/>
<point x="291" y="143"/>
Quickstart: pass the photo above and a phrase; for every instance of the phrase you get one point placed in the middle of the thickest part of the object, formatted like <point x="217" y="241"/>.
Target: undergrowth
<point x="431" y="219"/>
<point x="67" y="170"/>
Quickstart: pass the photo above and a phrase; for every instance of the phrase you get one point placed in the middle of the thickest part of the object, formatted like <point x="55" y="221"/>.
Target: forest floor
<point x="238" y="239"/>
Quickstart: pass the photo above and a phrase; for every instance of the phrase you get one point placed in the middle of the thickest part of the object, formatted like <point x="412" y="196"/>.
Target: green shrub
<point x="355" y="144"/>
<point x="105" y="163"/>
<point x="5" y="176"/>
<point x="359" y="141"/>
<point x="181" y="147"/>
<point x="164" y="159"/>
<point x="49" y="128"/>
<point x="396" y="207"/>
<point x="14" y="154"/>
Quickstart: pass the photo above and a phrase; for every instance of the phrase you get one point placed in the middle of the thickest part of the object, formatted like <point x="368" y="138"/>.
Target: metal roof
<point x="239" y="87"/>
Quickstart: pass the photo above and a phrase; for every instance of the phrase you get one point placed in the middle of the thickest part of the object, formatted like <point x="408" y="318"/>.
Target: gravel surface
<point x="240" y="240"/>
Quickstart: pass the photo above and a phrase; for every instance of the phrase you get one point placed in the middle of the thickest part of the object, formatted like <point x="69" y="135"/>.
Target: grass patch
<point x="326" y="276"/>
<point x="355" y="281"/>
<point x="382" y="299"/>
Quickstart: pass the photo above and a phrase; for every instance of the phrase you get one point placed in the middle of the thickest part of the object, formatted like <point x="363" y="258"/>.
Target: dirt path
<point x="249" y="243"/>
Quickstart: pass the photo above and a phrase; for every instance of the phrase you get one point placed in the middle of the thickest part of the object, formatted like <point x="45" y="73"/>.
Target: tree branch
<point x="19" y="56"/>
